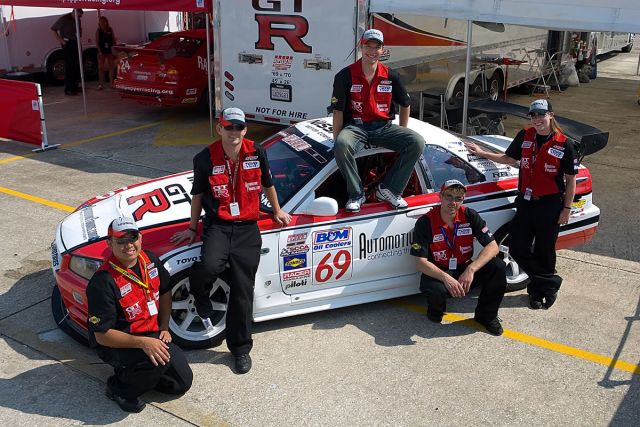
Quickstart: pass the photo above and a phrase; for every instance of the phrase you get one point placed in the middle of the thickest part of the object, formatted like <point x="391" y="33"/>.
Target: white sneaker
<point x="384" y="194"/>
<point x="353" y="205"/>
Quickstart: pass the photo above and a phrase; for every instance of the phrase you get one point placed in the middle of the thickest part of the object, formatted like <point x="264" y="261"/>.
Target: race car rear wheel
<point x="517" y="279"/>
<point x="187" y="329"/>
<point x="61" y="317"/>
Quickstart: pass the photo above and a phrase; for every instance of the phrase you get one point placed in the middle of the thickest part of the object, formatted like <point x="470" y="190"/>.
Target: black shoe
<point x="492" y="326"/>
<point x="435" y="318"/>
<point x="70" y="92"/>
<point x="243" y="363"/>
<point x="127" y="405"/>
<point x="535" y="303"/>
<point x="549" y="300"/>
<point x="204" y="307"/>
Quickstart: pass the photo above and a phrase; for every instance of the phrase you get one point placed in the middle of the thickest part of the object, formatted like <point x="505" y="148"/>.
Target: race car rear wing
<point x="589" y="139"/>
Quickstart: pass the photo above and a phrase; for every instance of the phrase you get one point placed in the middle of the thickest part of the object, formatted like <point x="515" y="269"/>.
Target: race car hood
<point x="162" y="201"/>
<point x="589" y="139"/>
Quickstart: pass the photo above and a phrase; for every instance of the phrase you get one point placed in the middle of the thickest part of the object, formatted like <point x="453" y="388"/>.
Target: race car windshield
<point x="294" y="159"/>
<point x="184" y="47"/>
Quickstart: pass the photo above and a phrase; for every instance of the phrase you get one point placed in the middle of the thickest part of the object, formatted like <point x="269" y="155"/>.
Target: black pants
<point x="71" y="66"/>
<point x="491" y="277"/>
<point x="238" y="245"/>
<point x="135" y="374"/>
<point x="537" y="220"/>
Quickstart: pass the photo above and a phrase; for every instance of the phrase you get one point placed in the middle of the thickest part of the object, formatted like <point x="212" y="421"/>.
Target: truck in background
<point x="27" y="44"/>
<point x="277" y="59"/>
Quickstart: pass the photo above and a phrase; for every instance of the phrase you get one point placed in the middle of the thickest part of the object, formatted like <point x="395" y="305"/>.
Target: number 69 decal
<point x="332" y="266"/>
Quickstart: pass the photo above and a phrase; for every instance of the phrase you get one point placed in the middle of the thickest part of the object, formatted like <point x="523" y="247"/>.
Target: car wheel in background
<point x="55" y="68"/>
<point x="187" y="329"/>
<point x="517" y="279"/>
<point x="496" y="87"/>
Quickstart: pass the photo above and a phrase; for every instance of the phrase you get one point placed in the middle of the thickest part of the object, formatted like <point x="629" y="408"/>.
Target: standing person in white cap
<point x="129" y="301"/>
<point x="443" y="247"/>
<point x="547" y="186"/>
<point x="228" y="177"/>
<point x="364" y="101"/>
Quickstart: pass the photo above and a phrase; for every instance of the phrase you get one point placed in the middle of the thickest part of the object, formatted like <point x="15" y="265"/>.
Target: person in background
<point x="106" y="39"/>
<point x="64" y="30"/>
<point x="546" y="188"/>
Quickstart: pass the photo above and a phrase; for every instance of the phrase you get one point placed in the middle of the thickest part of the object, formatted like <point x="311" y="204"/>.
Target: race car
<point x="326" y="257"/>
<point x="171" y="70"/>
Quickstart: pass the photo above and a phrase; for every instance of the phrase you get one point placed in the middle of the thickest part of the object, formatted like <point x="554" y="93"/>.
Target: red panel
<point x="19" y="120"/>
<point x="574" y="239"/>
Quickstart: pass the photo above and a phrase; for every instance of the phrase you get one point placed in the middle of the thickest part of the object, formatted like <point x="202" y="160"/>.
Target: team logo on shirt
<point x="153" y="273"/>
<point x="220" y="191"/>
<point x="556" y="153"/>
<point x="527" y="144"/>
<point x="550" y="168"/>
<point x="524" y="163"/>
<point x="133" y="311"/>
<point x="416" y="246"/>
<point x="466" y="231"/>
<point x="385" y="82"/>
<point x="383" y="108"/>
<point x="440" y="255"/>
<point x="252" y="186"/>
<point x="384" y="88"/>
<point x="125" y="289"/>
<point x="217" y="170"/>
<point x="251" y="164"/>
<point x="251" y="158"/>
<point x="95" y="320"/>
<point x="438" y="238"/>
<point x="356" y="106"/>
<point x="559" y="147"/>
<point x="356" y="88"/>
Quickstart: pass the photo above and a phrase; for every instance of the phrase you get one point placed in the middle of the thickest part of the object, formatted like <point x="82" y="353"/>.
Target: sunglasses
<point x="536" y="115"/>
<point x="235" y="127"/>
<point x="125" y="240"/>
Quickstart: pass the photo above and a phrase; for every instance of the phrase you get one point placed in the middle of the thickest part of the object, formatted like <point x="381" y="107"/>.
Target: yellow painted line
<point x="535" y="341"/>
<point x="36" y="199"/>
<point x="84" y="141"/>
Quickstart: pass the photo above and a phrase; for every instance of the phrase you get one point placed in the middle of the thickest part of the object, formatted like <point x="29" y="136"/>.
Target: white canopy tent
<point x="563" y="15"/>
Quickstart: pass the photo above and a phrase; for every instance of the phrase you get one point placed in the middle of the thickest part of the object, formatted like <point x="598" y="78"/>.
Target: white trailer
<point x="28" y="45"/>
<point x="276" y="59"/>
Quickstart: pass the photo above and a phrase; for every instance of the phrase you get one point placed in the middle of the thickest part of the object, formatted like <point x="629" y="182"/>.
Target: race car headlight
<point x="84" y="267"/>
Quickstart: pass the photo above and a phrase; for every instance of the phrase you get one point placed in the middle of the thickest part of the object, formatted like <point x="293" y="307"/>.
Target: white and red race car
<point x="327" y="257"/>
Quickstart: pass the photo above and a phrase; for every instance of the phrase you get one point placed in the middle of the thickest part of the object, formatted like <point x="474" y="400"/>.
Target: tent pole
<point x="467" y="76"/>
<point x="79" y="42"/>
<point x="209" y="76"/>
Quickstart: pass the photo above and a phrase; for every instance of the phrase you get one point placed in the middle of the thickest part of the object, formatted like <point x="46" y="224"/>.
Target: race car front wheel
<point x="517" y="279"/>
<point x="187" y="329"/>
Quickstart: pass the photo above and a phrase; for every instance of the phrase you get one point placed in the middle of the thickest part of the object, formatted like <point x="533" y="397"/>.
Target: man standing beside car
<point x="443" y="247"/>
<point x="65" y="32"/>
<point x="228" y="177"/>
<point x="363" y="103"/>
<point x="129" y="300"/>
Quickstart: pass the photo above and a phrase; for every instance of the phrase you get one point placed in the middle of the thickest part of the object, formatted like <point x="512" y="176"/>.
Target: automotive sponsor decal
<point x="473" y="158"/>
<point x="500" y="174"/>
<point x="158" y="200"/>
<point x="218" y="170"/>
<point x="527" y="144"/>
<point x="356" y="88"/>
<point x="464" y="231"/>
<point x="297" y="238"/>
<point x="89" y="231"/>
<point x="294" y="250"/>
<point x="145" y="90"/>
<point x="384" y="88"/>
<point x="466" y="249"/>
<point x="295" y="142"/>
<point x="156" y="295"/>
<point x="438" y="238"/>
<point x="124" y="290"/>
<point x="153" y="273"/>
<point x="282" y="62"/>
<point x="385" y="82"/>
<point x="579" y="204"/>
<point x="331" y="239"/>
<point x="384" y="246"/>
<point x="251" y="158"/>
<point x="486" y="231"/>
<point x="296" y="274"/>
<point x="550" y="168"/>
<point x="295" y="283"/>
<point x="133" y="311"/>
<point x="94" y="320"/>
<point x="253" y="186"/>
<point x="202" y="63"/>
<point x="252" y="164"/>
<point x="78" y="297"/>
<point x="150" y="265"/>
<point x="220" y="191"/>
<point x="559" y="147"/>
<point x="295" y="261"/>
<point x="440" y="255"/>
<point x="191" y="91"/>
<point x="188" y="260"/>
<point x="556" y="153"/>
<point x="190" y="100"/>
<point x="464" y="224"/>
<point x="55" y="257"/>
<point x="383" y="108"/>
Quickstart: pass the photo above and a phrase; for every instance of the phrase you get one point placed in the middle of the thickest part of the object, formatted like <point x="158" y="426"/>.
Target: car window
<point x="442" y="165"/>
<point x="294" y="159"/>
<point x="184" y="46"/>
<point x="372" y="170"/>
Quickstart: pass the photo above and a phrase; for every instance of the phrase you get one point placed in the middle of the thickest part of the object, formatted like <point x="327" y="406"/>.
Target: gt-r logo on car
<point x="133" y="311"/>
<point x="356" y="106"/>
<point x="220" y="191"/>
<point x="440" y="255"/>
<point x="253" y="164"/>
<point x="293" y="262"/>
<point x="158" y="200"/>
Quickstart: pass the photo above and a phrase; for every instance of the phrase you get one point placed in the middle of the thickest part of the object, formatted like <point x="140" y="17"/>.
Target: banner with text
<point x="20" y="117"/>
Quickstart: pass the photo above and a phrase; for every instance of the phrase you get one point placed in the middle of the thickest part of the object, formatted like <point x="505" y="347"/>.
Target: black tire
<point x="61" y="317"/>
<point x="516" y="279"/>
<point x="496" y="87"/>
<point x="55" y="69"/>
<point x="476" y="88"/>
<point x="187" y="330"/>
<point x="627" y="48"/>
<point x="458" y="89"/>
<point x="431" y="117"/>
<point x="203" y="103"/>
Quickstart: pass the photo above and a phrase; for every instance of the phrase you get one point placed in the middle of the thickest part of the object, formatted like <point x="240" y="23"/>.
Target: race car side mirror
<point x="322" y="206"/>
